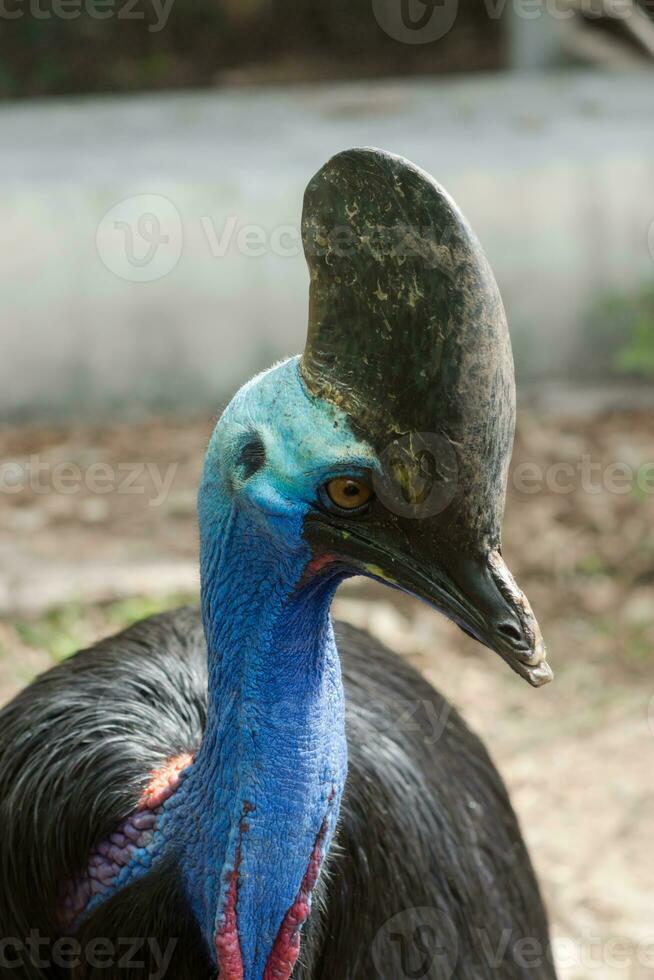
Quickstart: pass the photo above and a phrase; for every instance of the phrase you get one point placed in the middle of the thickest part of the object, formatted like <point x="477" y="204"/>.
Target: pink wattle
<point x="228" y="944"/>
<point x="133" y="834"/>
<point x="164" y="782"/>
<point x="319" y="562"/>
<point x="228" y="947"/>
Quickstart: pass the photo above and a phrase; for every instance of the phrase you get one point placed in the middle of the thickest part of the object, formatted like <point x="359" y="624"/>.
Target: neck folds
<point x="262" y="799"/>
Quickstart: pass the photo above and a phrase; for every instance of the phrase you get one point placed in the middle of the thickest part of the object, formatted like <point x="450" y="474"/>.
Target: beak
<point x="477" y="593"/>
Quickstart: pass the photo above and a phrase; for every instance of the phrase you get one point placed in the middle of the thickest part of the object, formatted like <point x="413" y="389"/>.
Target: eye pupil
<point x="351" y="490"/>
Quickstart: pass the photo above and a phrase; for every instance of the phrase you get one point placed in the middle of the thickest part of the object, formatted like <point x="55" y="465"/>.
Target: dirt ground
<point x="79" y="558"/>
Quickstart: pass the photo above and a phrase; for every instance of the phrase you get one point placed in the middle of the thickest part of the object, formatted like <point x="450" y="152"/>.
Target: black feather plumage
<point x="424" y="823"/>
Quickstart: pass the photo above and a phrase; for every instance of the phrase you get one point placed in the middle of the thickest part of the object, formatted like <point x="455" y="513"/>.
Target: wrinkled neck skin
<point x="259" y="805"/>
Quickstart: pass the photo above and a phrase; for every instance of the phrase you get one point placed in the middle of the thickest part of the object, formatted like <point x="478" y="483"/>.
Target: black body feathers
<point x="426" y="822"/>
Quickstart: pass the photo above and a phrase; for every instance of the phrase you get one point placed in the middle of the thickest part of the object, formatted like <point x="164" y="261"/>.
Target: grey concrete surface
<point x="555" y="174"/>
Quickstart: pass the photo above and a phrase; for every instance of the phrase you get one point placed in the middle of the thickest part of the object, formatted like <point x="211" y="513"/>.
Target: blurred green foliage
<point x="618" y="335"/>
<point x="120" y="45"/>
<point x="56" y="631"/>
<point x="638" y="356"/>
<point x="63" y="630"/>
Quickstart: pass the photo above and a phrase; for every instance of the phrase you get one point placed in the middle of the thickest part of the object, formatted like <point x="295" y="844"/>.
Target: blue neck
<point x="263" y="795"/>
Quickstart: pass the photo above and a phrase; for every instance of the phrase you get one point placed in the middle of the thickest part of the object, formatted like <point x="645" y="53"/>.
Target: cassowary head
<point x="384" y="449"/>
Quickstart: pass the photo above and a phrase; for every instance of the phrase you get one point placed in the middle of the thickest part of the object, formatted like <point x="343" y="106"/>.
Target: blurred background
<point x="153" y="157"/>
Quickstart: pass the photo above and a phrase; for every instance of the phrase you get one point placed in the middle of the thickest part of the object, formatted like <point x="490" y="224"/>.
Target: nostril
<point x="510" y="631"/>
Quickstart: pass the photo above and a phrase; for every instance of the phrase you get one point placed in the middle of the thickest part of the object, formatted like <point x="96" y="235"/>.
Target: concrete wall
<point x="554" y="173"/>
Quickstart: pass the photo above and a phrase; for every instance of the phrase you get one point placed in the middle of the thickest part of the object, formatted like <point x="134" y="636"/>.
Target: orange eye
<point x="348" y="493"/>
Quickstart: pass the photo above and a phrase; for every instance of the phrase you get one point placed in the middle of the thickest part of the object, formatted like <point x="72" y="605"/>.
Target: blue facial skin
<point x="272" y="766"/>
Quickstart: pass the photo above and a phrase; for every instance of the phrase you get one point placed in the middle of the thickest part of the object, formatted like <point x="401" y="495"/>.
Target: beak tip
<point x="540" y="674"/>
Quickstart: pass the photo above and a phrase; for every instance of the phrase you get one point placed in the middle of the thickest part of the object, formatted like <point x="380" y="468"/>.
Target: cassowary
<point x="249" y="792"/>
